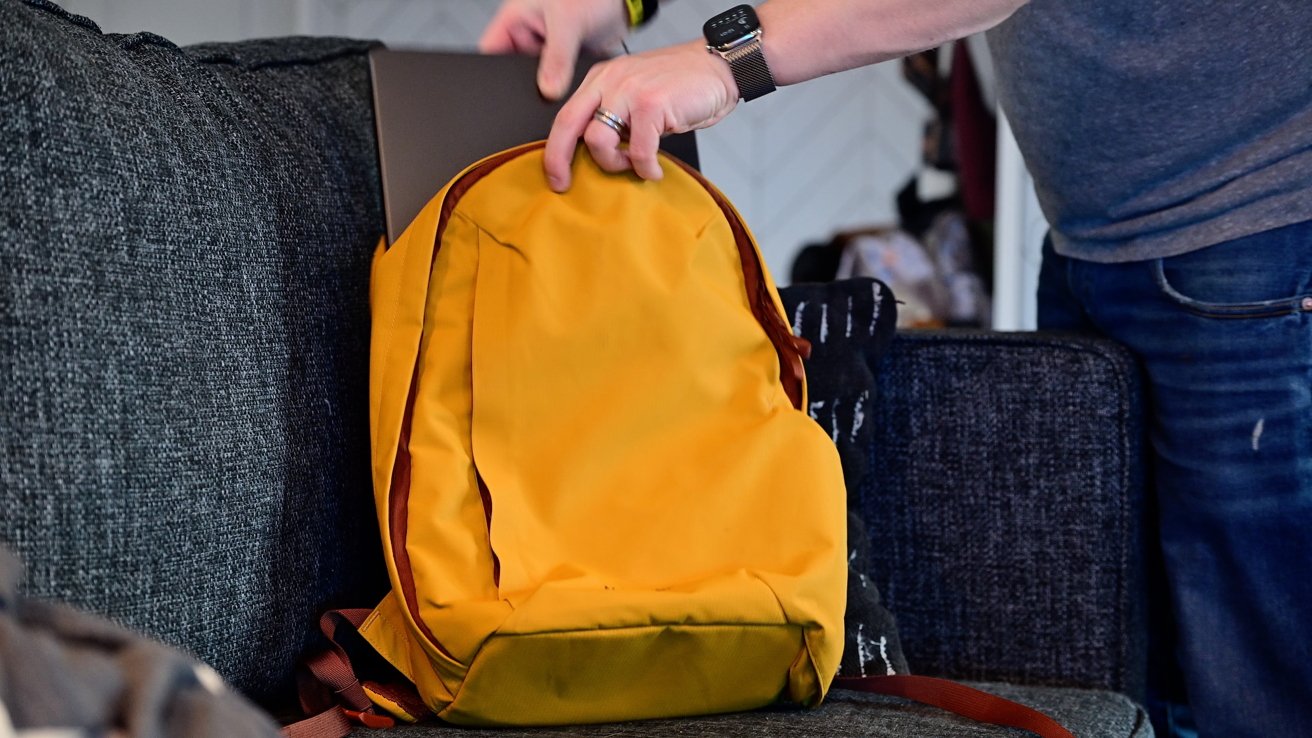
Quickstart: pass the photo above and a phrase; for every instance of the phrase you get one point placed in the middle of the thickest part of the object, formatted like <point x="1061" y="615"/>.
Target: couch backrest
<point x="185" y="239"/>
<point x="1008" y="509"/>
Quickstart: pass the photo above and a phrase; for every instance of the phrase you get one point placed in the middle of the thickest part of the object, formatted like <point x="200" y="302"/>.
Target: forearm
<point x="681" y="88"/>
<point x="805" y="39"/>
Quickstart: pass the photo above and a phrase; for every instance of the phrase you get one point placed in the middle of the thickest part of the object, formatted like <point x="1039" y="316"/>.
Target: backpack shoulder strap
<point x="329" y="689"/>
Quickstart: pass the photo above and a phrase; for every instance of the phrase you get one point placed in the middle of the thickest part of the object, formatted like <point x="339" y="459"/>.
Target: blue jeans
<point x="1225" y="335"/>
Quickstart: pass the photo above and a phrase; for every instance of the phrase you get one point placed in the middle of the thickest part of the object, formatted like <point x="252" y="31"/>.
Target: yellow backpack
<point x="599" y="497"/>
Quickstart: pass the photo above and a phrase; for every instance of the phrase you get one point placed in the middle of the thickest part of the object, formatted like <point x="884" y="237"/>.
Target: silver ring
<point x="613" y="122"/>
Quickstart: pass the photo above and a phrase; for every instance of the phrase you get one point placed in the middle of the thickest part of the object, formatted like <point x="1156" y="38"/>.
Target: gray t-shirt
<point x="1152" y="127"/>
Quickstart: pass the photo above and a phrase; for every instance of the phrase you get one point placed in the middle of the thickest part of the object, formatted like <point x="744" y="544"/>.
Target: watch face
<point x="730" y="25"/>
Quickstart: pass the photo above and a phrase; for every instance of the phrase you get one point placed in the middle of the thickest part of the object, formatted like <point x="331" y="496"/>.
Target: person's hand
<point x="558" y="30"/>
<point x="670" y="90"/>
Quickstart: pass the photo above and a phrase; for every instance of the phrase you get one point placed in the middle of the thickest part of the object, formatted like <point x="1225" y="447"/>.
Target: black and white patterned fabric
<point x="849" y="325"/>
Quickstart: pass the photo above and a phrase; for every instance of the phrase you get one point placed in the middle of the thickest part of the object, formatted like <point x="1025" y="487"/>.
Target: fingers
<point x="577" y="120"/>
<point x="645" y="131"/>
<point x="496" y="37"/>
<point x="496" y="40"/>
<point x="526" y="40"/>
<point x="664" y="91"/>
<point x="556" y="69"/>
<point x="604" y="145"/>
<point x="566" y="130"/>
<point x="557" y="31"/>
<point x="513" y="40"/>
<point x="608" y="149"/>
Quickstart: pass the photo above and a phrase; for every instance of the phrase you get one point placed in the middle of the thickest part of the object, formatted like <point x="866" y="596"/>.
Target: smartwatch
<point x="735" y="35"/>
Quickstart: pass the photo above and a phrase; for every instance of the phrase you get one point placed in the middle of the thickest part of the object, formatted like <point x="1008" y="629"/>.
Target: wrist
<point x="716" y="66"/>
<point x="737" y="37"/>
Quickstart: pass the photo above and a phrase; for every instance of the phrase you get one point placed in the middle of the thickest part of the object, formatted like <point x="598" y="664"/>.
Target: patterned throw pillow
<point x="849" y="325"/>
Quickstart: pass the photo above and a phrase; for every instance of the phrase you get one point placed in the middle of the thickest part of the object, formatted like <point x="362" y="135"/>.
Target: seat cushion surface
<point x="1086" y="713"/>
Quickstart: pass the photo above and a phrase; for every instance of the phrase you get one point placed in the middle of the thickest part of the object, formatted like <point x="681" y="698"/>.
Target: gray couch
<point x="185" y="238"/>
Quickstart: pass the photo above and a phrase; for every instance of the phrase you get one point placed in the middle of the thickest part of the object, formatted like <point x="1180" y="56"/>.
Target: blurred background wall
<point x="825" y="157"/>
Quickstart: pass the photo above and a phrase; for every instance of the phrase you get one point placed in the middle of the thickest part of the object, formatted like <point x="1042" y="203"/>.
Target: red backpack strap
<point x="955" y="697"/>
<point x="331" y="723"/>
<point x="329" y="689"/>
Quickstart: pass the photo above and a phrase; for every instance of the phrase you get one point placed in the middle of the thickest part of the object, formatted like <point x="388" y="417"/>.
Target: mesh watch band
<point x="750" y="71"/>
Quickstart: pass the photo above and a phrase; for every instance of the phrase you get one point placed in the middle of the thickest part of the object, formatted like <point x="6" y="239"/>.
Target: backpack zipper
<point x="399" y="489"/>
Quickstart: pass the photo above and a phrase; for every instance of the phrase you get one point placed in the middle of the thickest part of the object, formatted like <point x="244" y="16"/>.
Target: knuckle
<point x="597" y="136"/>
<point x="646" y="102"/>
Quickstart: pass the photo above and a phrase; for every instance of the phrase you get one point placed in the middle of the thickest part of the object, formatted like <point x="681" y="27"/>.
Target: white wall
<point x="192" y="21"/>
<point x="1019" y="229"/>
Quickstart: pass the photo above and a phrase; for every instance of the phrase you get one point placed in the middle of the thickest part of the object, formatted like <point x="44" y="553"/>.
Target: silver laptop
<point x="438" y="112"/>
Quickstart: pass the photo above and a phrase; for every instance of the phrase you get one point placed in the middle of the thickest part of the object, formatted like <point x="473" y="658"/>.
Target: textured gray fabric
<point x="1005" y="501"/>
<point x="1153" y="127"/>
<point x="61" y="668"/>
<point x="185" y="239"/>
<point x="1086" y="713"/>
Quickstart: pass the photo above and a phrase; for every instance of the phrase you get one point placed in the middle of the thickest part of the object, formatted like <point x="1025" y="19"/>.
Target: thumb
<point x="559" y="53"/>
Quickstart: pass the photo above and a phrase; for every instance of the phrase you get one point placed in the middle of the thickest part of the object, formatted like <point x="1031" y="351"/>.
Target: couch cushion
<point x="1086" y="713"/>
<point x="1038" y="441"/>
<point x="185" y="239"/>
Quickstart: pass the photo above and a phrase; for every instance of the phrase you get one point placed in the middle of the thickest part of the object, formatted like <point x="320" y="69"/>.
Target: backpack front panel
<point x="606" y="479"/>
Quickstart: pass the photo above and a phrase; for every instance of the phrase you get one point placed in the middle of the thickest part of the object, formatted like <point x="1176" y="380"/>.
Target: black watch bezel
<point x="731" y="26"/>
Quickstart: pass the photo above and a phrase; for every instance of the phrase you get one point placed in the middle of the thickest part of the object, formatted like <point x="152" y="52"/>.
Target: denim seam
<point x="1256" y="309"/>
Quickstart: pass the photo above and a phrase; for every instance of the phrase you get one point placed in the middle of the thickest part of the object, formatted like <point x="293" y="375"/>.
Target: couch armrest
<point x="1005" y="501"/>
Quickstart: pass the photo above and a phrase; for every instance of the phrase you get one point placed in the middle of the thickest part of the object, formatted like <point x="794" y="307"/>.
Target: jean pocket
<point x="1239" y="293"/>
